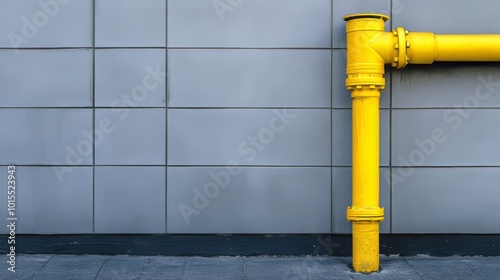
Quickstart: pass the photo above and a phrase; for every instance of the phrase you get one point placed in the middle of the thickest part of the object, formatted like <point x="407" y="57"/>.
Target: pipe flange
<point x="400" y="48"/>
<point x="365" y="213"/>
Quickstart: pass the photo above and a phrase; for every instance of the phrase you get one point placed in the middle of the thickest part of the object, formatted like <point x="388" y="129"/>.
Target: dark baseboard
<point x="252" y="245"/>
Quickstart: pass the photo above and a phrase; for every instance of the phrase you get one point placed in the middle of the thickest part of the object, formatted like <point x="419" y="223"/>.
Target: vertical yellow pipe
<point x="365" y="149"/>
<point x="365" y="214"/>
<point x="365" y="70"/>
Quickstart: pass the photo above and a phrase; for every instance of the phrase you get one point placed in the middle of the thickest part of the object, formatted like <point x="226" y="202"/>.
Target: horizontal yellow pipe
<point x="467" y="47"/>
<point x="425" y="47"/>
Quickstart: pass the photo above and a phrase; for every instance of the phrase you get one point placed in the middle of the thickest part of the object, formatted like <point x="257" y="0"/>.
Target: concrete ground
<point x="67" y="267"/>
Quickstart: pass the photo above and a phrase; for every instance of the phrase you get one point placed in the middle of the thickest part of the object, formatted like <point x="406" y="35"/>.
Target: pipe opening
<point x="365" y="16"/>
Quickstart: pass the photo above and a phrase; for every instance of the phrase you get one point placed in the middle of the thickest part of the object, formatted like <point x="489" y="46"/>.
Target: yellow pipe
<point x="365" y="214"/>
<point x="369" y="48"/>
<point x="365" y="79"/>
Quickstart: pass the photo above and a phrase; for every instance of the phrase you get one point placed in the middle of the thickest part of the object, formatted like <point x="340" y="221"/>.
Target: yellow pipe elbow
<point x="365" y="66"/>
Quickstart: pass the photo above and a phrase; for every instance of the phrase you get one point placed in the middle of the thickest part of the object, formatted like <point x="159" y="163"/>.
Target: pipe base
<point x="365" y="246"/>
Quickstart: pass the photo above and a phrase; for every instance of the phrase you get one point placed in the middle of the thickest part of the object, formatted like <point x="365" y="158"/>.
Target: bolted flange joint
<point x="401" y="45"/>
<point x="361" y="82"/>
<point x="363" y="91"/>
<point x="365" y="213"/>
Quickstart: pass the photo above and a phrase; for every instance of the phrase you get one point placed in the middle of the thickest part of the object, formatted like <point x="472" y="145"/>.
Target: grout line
<point x="93" y="115"/>
<point x="79" y="108"/>
<point x="332" y="209"/>
<point x="45" y="48"/>
<point x="334" y="108"/>
<point x="163" y="107"/>
<point x="166" y="115"/>
<point x="48" y="165"/>
<point x="390" y="157"/>
<point x="254" y="166"/>
<point x="250" y="108"/>
<point x="390" y="134"/>
<point x="241" y="108"/>
<point x="129" y="165"/>
<point x="248" y="166"/>
<point x="168" y="48"/>
<point x="248" y="48"/>
<point x="49" y="108"/>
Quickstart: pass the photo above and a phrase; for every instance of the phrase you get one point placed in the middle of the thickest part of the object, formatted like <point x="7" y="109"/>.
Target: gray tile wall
<point x="445" y="129"/>
<point x="34" y="24"/>
<point x="249" y="24"/>
<point x="46" y="205"/>
<point x="122" y="73"/>
<point x="250" y="131"/>
<point x="455" y="200"/>
<point x="46" y="78"/>
<point x="130" y="23"/>
<point x="249" y="78"/>
<point x="249" y="200"/>
<point x="249" y="136"/>
<point x="129" y="199"/>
